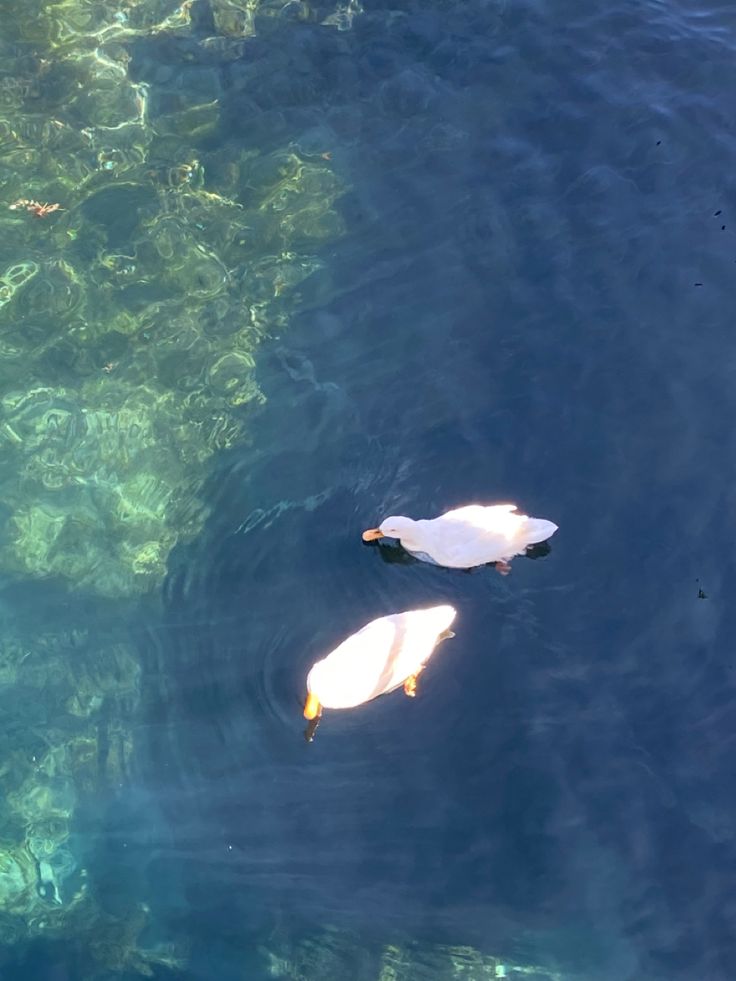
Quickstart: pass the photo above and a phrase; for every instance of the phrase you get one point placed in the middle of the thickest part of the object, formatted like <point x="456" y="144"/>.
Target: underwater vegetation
<point x="65" y="698"/>
<point x="146" y="251"/>
<point x="144" y="255"/>
<point x="337" y="954"/>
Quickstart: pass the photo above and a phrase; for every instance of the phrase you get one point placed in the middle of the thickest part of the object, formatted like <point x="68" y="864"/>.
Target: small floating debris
<point x="36" y="208"/>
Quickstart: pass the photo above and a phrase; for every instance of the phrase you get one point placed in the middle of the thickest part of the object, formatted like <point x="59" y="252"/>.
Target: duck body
<point x="384" y="655"/>
<point x="467" y="537"/>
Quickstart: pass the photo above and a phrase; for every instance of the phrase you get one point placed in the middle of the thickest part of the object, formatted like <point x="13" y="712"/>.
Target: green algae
<point x="66" y="698"/>
<point x="334" y="954"/>
<point x="130" y="321"/>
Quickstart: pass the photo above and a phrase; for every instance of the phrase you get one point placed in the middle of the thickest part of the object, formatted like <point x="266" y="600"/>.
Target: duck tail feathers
<point x="538" y="530"/>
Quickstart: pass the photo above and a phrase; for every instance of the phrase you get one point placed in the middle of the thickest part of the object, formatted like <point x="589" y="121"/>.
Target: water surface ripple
<point x="530" y="302"/>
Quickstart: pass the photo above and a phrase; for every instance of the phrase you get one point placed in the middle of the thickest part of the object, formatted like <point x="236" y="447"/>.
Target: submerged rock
<point x="159" y="253"/>
<point x="130" y="322"/>
<point x="335" y="953"/>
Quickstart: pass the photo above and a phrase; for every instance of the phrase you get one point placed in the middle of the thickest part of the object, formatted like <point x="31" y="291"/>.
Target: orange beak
<point x="372" y="534"/>
<point x="312" y="708"/>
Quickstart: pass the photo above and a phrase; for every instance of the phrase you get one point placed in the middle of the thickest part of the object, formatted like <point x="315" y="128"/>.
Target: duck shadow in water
<point x="393" y="554"/>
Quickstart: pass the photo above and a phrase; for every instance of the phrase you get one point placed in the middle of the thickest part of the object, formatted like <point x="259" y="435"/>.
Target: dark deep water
<point x="530" y="303"/>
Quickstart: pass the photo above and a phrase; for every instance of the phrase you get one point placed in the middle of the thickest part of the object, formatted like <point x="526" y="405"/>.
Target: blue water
<point x="531" y="302"/>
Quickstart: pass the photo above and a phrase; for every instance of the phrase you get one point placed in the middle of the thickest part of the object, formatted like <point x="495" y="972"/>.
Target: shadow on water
<point x="393" y="554"/>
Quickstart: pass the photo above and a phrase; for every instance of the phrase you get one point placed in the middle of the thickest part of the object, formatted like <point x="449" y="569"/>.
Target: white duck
<point x="387" y="653"/>
<point x="468" y="536"/>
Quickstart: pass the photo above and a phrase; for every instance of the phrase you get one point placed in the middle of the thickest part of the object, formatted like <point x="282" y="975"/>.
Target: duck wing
<point x="471" y="535"/>
<point x="362" y="666"/>
<point x="493" y="517"/>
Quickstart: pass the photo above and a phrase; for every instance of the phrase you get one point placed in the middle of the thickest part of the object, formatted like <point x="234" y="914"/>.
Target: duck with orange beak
<point x="467" y="537"/>
<point x="386" y="654"/>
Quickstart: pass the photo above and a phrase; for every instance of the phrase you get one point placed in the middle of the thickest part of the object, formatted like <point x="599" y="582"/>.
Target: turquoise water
<point x="313" y="264"/>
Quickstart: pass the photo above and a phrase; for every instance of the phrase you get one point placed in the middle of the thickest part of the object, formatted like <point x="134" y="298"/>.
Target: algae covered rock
<point x="96" y="499"/>
<point x="129" y="345"/>
<point x="145" y="254"/>
<point x="17" y="879"/>
<point x="66" y="740"/>
<point x="336" y="953"/>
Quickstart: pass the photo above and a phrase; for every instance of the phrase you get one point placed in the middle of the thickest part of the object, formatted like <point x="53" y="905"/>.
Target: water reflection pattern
<point x="65" y="700"/>
<point x="141" y="264"/>
<point x="339" y="954"/>
<point x="128" y="320"/>
<point x="144" y="255"/>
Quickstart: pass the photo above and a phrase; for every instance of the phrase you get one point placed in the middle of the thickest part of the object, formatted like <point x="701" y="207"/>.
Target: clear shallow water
<point x="511" y="312"/>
